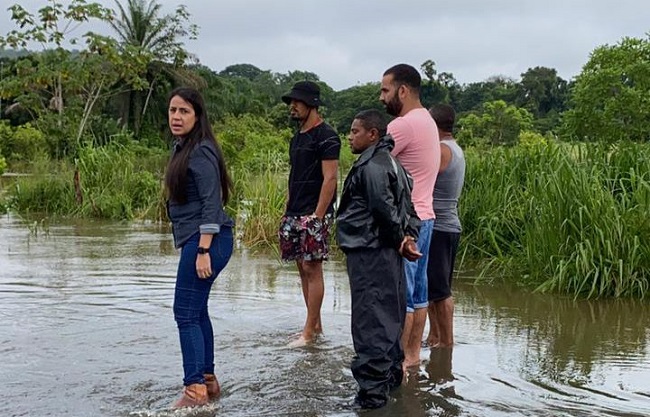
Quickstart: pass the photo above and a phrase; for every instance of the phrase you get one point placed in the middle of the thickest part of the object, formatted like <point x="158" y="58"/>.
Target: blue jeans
<point x="416" y="271"/>
<point x="191" y="305"/>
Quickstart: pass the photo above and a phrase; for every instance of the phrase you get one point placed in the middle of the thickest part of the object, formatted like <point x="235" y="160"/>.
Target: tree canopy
<point x="114" y="85"/>
<point x="611" y="97"/>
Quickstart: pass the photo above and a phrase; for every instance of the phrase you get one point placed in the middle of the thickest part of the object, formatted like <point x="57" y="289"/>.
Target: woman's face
<point x="182" y="117"/>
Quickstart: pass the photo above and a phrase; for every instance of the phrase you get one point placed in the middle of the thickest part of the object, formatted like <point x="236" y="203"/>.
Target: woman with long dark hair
<point x="198" y="187"/>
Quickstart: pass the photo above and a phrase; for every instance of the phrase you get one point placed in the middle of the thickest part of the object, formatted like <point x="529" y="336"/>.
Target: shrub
<point x="530" y="139"/>
<point x="249" y="140"/>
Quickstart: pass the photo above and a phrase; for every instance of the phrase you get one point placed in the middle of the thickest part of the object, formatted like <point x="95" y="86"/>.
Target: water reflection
<point x="564" y="340"/>
<point x="86" y="323"/>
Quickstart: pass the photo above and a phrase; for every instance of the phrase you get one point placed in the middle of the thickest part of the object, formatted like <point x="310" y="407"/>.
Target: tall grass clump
<point x="261" y="198"/>
<point x="566" y="218"/>
<point x="115" y="184"/>
<point x="47" y="189"/>
<point x="115" y="181"/>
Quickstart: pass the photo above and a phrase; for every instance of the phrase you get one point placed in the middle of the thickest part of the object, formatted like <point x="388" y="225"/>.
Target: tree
<point x="437" y="87"/>
<point x="140" y="25"/>
<point x="263" y="85"/>
<point x="544" y="94"/>
<point x="289" y="79"/>
<point x="541" y="91"/>
<point x="611" y="96"/>
<point x="497" y="124"/>
<point x="347" y="103"/>
<point x="57" y="80"/>
<point x="50" y="30"/>
<point x="472" y="96"/>
<point x="242" y="70"/>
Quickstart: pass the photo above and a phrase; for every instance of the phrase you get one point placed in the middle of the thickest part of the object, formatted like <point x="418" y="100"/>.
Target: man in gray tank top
<point x="446" y="230"/>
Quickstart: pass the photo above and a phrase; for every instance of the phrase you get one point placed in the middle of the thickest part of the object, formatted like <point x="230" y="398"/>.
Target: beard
<point x="296" y="115"/>
<point x="394" y="106"/>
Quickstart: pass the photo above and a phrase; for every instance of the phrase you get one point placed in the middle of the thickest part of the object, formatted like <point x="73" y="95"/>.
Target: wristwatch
<point x="203" y="251"/>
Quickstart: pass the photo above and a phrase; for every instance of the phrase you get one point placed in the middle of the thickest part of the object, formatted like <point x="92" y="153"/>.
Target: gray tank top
<point x="449" y="184"/>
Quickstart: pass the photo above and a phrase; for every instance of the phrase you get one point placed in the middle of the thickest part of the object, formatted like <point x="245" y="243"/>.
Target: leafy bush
<point x="498" y="123"/>
<point x="530" y="139"/>
<point x="28" y="143"/>
<point x="249" y="140"/>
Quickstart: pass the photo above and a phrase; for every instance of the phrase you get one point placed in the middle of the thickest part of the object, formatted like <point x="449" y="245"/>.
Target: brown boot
<point x="193" y="395"/>
<point x="213" y="385"/>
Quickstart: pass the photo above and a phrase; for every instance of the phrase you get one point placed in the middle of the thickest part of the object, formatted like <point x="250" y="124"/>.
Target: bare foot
<point x="300" y="342"/>
<point x="294" y="335"/>
<point x="408" y="370"/>
<point x="317" y="331"/>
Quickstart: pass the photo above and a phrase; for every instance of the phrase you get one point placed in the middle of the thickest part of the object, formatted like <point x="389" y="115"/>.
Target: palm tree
<point x="159" y="38"/>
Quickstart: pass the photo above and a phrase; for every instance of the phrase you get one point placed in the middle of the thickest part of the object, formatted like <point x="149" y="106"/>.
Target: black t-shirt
<point x="306" y="152"/>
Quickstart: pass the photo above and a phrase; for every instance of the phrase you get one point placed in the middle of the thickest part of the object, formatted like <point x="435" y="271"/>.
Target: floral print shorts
<point x="304" y="237"/>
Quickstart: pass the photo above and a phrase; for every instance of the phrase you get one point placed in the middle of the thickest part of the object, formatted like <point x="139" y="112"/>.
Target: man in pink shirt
<point x="417" y="147"/>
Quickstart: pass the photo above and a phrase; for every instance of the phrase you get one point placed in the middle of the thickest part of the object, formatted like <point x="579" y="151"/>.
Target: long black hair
<point x="176" y="173"/>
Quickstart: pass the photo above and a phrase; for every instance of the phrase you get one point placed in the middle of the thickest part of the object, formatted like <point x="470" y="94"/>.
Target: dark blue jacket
<point x="203" y="211"/>
<point x="376" y="209"/>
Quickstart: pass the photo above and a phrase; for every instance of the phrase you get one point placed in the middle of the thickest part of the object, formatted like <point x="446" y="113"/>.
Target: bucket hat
<point x="306" y="91"/>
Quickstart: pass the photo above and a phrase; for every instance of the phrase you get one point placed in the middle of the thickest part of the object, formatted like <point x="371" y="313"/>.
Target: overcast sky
<point x="349" y="42"/>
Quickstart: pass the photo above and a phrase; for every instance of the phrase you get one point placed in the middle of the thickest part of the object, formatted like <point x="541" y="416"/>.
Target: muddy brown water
<point x="86" y="329"/>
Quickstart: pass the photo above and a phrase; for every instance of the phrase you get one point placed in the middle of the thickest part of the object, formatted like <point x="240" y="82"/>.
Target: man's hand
<point x="409" y="249"/>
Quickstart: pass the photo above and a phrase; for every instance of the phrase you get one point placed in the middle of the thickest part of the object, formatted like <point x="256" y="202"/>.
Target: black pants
<point x="377" y="284"/>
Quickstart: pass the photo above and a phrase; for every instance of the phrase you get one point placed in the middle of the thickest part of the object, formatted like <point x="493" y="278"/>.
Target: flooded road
<point x="86" y="329"/>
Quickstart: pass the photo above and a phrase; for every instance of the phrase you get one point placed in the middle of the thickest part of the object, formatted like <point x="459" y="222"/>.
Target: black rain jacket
<point x="376" y="209"/>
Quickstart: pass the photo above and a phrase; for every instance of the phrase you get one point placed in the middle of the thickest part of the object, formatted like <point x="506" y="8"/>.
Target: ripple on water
<point x="88" y="325"/>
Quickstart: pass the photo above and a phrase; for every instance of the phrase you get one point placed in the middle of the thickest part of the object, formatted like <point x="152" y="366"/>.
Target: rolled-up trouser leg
<point x="378" y="311"/>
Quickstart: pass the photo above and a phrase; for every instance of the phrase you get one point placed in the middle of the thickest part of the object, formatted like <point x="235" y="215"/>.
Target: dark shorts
<point x="440" y="269"/>
<point x="304" y="238"/>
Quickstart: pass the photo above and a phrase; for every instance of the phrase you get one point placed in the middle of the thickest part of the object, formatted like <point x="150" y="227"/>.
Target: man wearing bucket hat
<point x="304" y="228"/>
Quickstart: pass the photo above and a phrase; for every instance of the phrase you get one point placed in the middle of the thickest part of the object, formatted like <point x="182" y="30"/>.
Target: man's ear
<point x="402" y="91"/>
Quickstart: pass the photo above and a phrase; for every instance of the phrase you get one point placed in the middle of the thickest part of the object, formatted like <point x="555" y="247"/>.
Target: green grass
<point x="261" y="200"/>
<point x="115" y="182"/>
<point x="557" y="217"/>
<point x="562" y="218"/>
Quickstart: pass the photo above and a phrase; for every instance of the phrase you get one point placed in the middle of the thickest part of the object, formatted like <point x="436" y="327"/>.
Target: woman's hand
<point x="203" y="266"/>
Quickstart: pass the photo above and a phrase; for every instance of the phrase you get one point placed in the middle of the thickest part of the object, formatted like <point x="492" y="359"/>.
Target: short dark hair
<point x="405" y="74"/>
<point x="373" y="119"/>
<point x="445" y="117"/>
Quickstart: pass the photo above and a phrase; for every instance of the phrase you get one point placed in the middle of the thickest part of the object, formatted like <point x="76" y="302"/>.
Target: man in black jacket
<point x="377" y="226"/>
